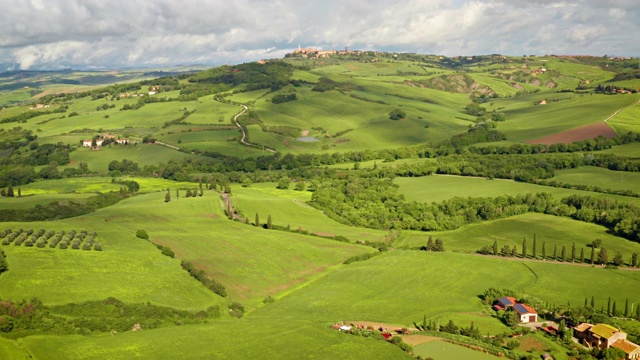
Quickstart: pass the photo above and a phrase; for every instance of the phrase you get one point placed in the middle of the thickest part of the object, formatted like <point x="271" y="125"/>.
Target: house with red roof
<point x="526" y="313"/>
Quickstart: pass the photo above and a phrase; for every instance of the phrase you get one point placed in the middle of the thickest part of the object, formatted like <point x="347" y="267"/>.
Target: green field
<point x="292" y="281"/>
<point x="241" y="339"/>
<point x="511" y="231"/>
<point x="437" y="188"/>
<point x="402" y="286"/>
<point x="143" y="154"/>
<point x="603" y="178"/>
<point x="441" y="350"/>
<point x="288" y="208"/>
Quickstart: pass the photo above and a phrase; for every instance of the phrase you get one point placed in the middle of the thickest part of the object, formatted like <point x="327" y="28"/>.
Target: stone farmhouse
<point x="604" y="336"/>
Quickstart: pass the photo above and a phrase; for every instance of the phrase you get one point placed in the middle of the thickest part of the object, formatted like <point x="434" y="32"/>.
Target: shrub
<point x="86" y="246"/>
<point x="28" y="243"/>
<point x="142" y="234"/>
<point x="40" y="243"/>
<point x="97" y="247"/>
<point x="397" y="114"/>
<point x="75" y="245"/>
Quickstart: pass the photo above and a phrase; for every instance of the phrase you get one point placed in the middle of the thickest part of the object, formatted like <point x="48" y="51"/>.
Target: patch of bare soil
<point x="324" y="234"/>
<point x="305" y="133"/>
<point x="414" y="340"/>
<point x="581" y="133"/>
<point x="530" y="343"/>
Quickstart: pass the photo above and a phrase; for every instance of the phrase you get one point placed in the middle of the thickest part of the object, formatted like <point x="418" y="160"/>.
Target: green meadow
<point x="511" y="231"/>
<point x="603" y="178"/>
<point x="143" y="154"/>
<point x="244" y="339"/>
<point x="288" y="208"/>
<point x="441" y="350"/>
<point x="403" y="286"/>
<point x="437" y="188"/>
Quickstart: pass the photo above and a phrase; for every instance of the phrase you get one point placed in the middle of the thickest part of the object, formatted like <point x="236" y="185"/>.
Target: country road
<point x="616" y="113"/>
<point x="244" y="134"/>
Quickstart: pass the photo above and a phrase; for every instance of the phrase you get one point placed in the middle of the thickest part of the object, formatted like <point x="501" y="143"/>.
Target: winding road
<point x="244" y="134"/>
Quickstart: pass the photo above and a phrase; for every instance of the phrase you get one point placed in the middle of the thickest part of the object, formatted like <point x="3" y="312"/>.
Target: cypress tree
<point x="555" y="252"/>
<point x="573" y="252"/>
<point x="626" y="308"/>
<point x="167" y="197"/>
<point x="585" y="302"/>
<point x="544" y="250"/>
<point x="269" y="222"/>
<point x="634" y="259"/>
<point x="177" y="193"/>
<point x="524" y="247"/>
<point x="593" y="303"/>
<point x="19" y="192"/>
<point x="424" y="322"/>
<point x="495" y="247"/>
<point x="638" y="312"/>
<point x="593" y="255"/>
<point x="257" y="223"/>
<point x="563" y="254"/>
<point x="614" y="311"/>
<point x="609" y="306"/>
<point x="582" y="256"/>
<point x="535" y="247"/>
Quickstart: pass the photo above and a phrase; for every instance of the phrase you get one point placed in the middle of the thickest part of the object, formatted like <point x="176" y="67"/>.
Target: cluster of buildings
<point x="603" y="336"/>
<point x="526" y="313"/>
<point x="318" y="53"/>
<point x="101" y="139"/>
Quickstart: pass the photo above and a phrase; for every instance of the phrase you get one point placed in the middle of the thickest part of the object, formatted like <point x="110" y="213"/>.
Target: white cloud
<point x="117" y="33"/>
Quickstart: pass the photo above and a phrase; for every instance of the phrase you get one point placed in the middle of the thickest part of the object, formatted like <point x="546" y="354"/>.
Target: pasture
<point x="436" y="188"/>
<point x="246" y="339"/>
<point x="252" y="263"/>
<point x="143" y="154"/>
<point x="288" y="208"/>
<point x="511" y="231"/>
<point x="442" y="350"/>
<point x="402" y="286"/>
<point x="603" y="178"/>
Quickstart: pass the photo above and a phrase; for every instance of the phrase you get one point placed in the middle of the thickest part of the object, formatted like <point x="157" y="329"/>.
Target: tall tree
<point x="534" y="251"/>
<point x="555" y="252"/>
<point x="593" y="255"/>
<point x="626" y="308"/>
<point x="430" y="246"/>
<point x="603" y="257"/>
<point x="10" y="191"/>
<point x="524" y="247"/>
<point x="573" y="252"/>
<point x="634" y="259"/>
<point x="618" y="260"/>
<point x="439" y="245"/>
<point x="609" y="306"/>
<point x="177" y="193"/>
<point x="563" y="254"/>
<point x="257" y="223"/>
<point x="593" y="302"/>
<point x="581" y="255"/>
<point x="269" y="225"/>
<point x="495" y="247"/>
<point x="167" y="196"/>
<point x="544" y="250"/>
<point x="614" y="311"/>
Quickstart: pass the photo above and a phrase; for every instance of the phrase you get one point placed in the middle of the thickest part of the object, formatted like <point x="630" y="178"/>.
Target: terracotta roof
<point x="583" y="327"/>
<point x="604" y="330"/>
<point x="524" y="309"/>
<point x="627" y="346"/>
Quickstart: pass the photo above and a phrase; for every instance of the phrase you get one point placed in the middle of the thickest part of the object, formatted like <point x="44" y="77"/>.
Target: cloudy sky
<point x="50" y="34"/>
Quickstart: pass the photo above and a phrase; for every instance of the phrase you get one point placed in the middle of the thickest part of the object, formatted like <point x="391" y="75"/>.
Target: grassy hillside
<point x="511" y="231"/>
<point x="231" y="339"/>
<point x="402" y="286"/>
<point x="441" y="187"/>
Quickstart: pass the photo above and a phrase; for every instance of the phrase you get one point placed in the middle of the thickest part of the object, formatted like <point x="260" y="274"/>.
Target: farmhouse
<point x="604" y="336"/>
<point x="526" y="313"/>
<point x="88" y="143"/>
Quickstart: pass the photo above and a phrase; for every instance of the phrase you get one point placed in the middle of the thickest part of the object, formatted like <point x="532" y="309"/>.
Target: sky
<point x="112" y="34"/>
